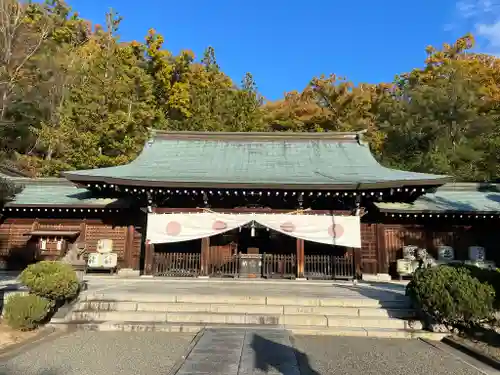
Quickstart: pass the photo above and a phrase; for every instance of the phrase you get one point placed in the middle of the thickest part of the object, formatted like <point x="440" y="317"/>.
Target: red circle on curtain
<point x="287" y="227"/>
<point x="173" y="228"/>
<point x="336" y="230"/>
<point x="219" y="225"/>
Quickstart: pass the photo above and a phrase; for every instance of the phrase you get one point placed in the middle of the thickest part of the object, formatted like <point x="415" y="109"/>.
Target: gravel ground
<point x="101" y="353"/>
<point x="367" y="356"/>
<point x="489" y="344"/>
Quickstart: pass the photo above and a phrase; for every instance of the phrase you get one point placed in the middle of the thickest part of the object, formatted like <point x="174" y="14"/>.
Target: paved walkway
<point x="239" y="352"/>
<point x="232" y="352"/>
<point x="101" y="353"/>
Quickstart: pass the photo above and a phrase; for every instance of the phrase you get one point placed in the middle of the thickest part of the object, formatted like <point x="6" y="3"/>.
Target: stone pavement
<point x="241" y="352"/>
<point x="101" y="353"/>
<point x="371" y="356"/>
<point x="234" y="352"/>
<point x="149" y="288"/>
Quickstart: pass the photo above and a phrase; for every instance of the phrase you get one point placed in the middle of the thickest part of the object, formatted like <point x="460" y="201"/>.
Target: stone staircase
<point x="193" y="312"/>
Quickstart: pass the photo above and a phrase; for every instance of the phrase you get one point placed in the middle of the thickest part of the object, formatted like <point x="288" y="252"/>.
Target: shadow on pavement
<point x="285" y="359"/>
<point x="389" y="296"/>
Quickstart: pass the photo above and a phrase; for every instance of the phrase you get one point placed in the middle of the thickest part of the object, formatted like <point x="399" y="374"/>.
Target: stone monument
<point x="74" y="257"/>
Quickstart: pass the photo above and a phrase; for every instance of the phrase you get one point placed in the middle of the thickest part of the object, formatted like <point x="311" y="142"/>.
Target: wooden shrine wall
<point x="369" y="248"/>
<point x="430" y="235"/>
<point x="16" y="246"/>
<point x="382" y="243"/>
<point x="381" y="240"/>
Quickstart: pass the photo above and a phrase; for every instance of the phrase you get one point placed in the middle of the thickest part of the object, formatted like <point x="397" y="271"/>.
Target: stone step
<point x="296" y="330"/>
<point x="397" y="302"/>
<point x="248" y="319"/>
<point x="243" y="309"/>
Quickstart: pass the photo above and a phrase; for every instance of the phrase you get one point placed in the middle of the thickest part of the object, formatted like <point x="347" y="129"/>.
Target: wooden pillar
<point x="148" y="258"/>
<point x="300" y="258"/>
<point x="129" y="246"/>
<point x="36" y="250"/>
<point x="382" y="255"/>
<point x="356" y="253"/>
<point x="205" y="256"/>
<point x="83" y="232"/>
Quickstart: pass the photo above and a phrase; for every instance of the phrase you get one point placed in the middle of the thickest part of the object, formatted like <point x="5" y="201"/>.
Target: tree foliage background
<point x="73" y="96"/>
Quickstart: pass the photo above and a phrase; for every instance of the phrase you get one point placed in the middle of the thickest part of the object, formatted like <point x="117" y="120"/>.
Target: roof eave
<point x="82" y="180"/>
<point x="66" y="205"/>
<point x="439" y="212"/>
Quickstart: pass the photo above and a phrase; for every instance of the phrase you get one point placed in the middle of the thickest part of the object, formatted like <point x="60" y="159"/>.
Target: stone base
<point x="128" y="272"/>
<point x="376" y="277"/>
<point x="79" y="270"/>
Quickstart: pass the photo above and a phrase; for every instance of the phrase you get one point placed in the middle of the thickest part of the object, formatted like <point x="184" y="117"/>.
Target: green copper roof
<point x="460" y="197"/>
<point x="265" y="160"/>
<point x="49" y="192"/>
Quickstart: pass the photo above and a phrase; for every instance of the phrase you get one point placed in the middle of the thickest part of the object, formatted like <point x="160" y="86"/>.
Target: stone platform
<point x="319" y="289"/>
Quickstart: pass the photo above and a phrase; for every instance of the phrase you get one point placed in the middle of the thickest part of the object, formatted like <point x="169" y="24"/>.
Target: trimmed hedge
<point x="53" y="280"/>
<point x="488" y="276"/>
<point x="26" y="312"/>
<point x="451" y="295"/>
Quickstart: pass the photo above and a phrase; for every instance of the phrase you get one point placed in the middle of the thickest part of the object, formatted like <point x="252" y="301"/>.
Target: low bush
<point x="451" y="295"/>
<point x="484" y="275"/>
<point x="26" y="312"/>
<point x="53" y="280"/>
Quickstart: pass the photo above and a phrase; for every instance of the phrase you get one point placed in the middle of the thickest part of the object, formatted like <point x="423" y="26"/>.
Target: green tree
<point x="245" y="107"/>
<point x="444" y="118"/>
<point x="107" y="108"/>
<point x="8" y="190"/>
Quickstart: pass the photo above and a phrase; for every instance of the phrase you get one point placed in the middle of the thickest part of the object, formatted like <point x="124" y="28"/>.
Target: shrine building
<point x="272" y="205"/>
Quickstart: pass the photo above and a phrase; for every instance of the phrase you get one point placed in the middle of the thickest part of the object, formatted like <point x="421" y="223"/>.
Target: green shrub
<point x="56" y="281"/>
<point x="451" y="295"/>
<point x="488" y="276"/>
<point x="26" y="312"/>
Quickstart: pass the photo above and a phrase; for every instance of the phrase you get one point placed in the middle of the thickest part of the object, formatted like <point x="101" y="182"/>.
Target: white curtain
<point x="168" y="228"/>
<point x="330" y="230"/>
<point x="325" y="229"/>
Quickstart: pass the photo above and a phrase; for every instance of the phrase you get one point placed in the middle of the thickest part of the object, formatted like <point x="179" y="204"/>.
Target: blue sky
<point x="286" y="43"/>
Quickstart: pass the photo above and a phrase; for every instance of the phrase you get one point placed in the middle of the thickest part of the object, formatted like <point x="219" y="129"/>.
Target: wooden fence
<point x="273" y="266"/>
<point x="282" y="266"/>
<point x="225" y="266"/>
<point x="327" y="267"/>
<point x="177" y="264"/>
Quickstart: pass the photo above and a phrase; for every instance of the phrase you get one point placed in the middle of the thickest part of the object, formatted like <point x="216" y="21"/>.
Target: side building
<point x="254" y="204"/>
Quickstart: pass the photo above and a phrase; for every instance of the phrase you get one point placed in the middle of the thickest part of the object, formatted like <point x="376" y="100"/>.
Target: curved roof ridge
<point x="254" y="136"/>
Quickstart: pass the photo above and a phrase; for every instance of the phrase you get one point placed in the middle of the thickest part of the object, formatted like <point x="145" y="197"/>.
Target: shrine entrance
<point x="252" y="251"/>
<point x="253" y="245"/>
